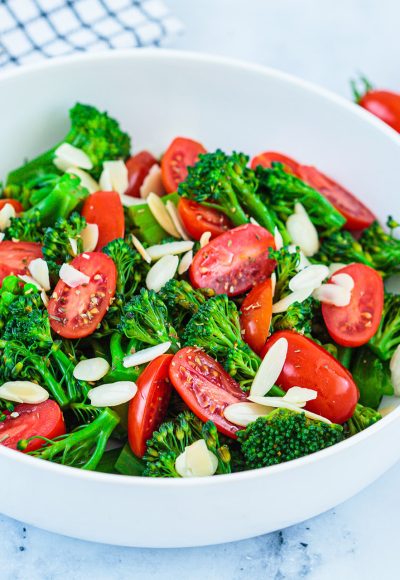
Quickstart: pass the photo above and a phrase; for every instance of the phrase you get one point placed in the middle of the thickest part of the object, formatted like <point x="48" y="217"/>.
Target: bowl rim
<point x="237" y="64"/>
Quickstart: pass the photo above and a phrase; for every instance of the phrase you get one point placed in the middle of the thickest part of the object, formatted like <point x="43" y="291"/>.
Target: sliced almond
<point x="343" y="280"/>
<point x="45" y="298"/>
<point x="335" y="266"/>
<point x="300" y="395"/>
<point x="74" y="246"/>
<point x="302" y="231"/>
<point x="243" y="414"/>
<point x="270" y="368"/>
<point x="196" y="461"/>
<point x="40" y="272"/>
<point x="141" y="249"/>
<point x="2" y="236"/>
<point x="162" y="216"/>
<point x="273" y="283"/>
<point x="72" y="156"/>
<point x="298" y="296"/>
<point x="185" y="262"/>
<point x="204" y="239"/>
<point x="278" y="239"/>
<point x="172" y="248"/>
<point x="254" y="222"/>
<point x="332" y="294"/>
<point x="116" y="173"/>
<point x="176" y="220"/>
<point x="310" y="277"/>
<point x="91" y="369"/>
<point x="162" y="271"/>
<point x="280" y="403"/>
<point x="30" y="280"/>
<point x="7" y="212"/>
<point x="105" y="180"/>
<point x="86" y="179"/>
<point x="90" y="237"/>
<point x="128" y="200"/>
<point x="152" y="183"/>
<point x="23" y="392"/>
<point x="112" y="394"/>
<point x="73" y="277"/>
<point x="145" y="355"/>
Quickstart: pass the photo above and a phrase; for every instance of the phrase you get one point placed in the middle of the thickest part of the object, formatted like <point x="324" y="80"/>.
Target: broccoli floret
<point x="25" y="229"/>
<point x="62" y="242"/>
<point x="171" y="439"/>
<point x="387" y="337"/>
<point x="372" y="377"/>
<point x="287" y="266"/>
<point x="10" y="290"/>
<point x="343" y="248"/>
<point x="145" y="318"/>
<point x="224" y="182"/>
<point x="281" y="191"/>
<point x="97" y="134"/>
<point x="382" y="246"/>
<point x="83" y="447"/>
<point x="284" y="435"/>
<point x="183" y="300"/>
<point x="362" y="418"/>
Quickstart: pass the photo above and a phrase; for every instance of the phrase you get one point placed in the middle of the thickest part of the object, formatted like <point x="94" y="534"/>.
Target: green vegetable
<point x="362" y="418"/>
<point x="343" y="248"/>
<point x="10" y="290"/>
<point x="145" y="224"/>
<point x="372" y="377"/>
<point x="97" y="134"/>
<point x="171" y="439"/>
<point x="182" y="300"/>
<point x="128" y="464"/>
<point x="387" y="337"/>
<point x="25" y="229"/>
<point x="284" y="435"/>
<point x="57" y="246"/>
<point x="224" y="182"/>
<point x="107" y="462"/>
<point x="119" y="349"/>
<point x="382" y="246"/>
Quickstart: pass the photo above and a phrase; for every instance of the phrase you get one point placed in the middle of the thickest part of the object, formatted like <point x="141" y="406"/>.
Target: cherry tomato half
<point x="255" y="315"/>
<point x="138" y="167"/>
<point x="76" y="312"/>
<point x="356" y="324"/>
<point x="148" y="407"/>
<point x="15" y="257"/>
<point x="181" y="154"/>
<point x="311" y="366"/>
<point x="16" y="204"/>
<point x="358" y="216"/>
<point x="205" y="386"/>
<point x="268" y="157"/>
<point x="104" y="208"/>
<point x="199" y="219"/>
<point x="44" y="419"/>
<point x="383" y="104"/>
<point x="234" y="261"/>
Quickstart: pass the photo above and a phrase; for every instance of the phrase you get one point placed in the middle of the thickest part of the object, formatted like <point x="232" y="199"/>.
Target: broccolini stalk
<point x="372" y="377"/>
<point x="118" y="351"/>
<point x="145" y="225"/>
<point x="387" y="337"/>
<point x="362" y="418"/>
<point x="281" y="191"/>
<point x="97" y="134"/>
<point x="81" y="448"/>
<point x="62" y="242"/>
<point x="343" y="248"/>
<point x="382" y="246"/>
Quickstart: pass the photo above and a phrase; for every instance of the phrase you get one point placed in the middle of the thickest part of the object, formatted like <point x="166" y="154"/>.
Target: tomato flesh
<point x="44" y="419"/>
<point x="383" y="104"/>
<point x="76" y="312"/>
<point x="104" y="208"/>
<point x="255" y="315"/>
<point x="138" y="167"/>
<point x="267" y="158"/>
<point x="15" y="203"/>
<point x="148" y="407"/>
<point x="15" y="257"/>
<point x="235" y="261"/>
<point x="181" y="154"/>
<point x="206" y="387"/>
<point x="198" y="219"/>
<point x="355" y="324"/>
<point x="310" y="366"/>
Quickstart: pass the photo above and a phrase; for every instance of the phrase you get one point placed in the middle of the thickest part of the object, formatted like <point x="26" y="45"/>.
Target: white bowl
<point x="157" y="95"/>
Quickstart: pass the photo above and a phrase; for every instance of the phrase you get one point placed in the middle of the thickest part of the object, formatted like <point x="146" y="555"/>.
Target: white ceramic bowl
<point x="157" y="95"/>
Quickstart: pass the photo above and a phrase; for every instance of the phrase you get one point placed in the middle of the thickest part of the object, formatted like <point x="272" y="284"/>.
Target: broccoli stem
<point x="234" y="212"/>
<point x="118" y="372"/>
<point x="75" y="391"/>
<point x="34" y="169"/>
<point x="60" y="202"/>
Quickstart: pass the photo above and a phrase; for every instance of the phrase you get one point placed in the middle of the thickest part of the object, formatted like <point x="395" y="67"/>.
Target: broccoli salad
<point x="190" y="315"/>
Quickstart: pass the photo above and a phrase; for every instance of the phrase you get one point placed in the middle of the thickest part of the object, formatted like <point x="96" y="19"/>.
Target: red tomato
<point x="205" y="386"/>
<point x="44" y="419"/>
<point x="104" y="208"/>
<point x="181" y="154"/>
<point x="198" y="219"/>
<point x="356" y="324"/>
<point x="138" y="167"/>
<point x="148" y="407"/>
<point x="266" y="159"/>
<point x="255" y="315"/>
<point x="311" y="366"/>
<point x="358" y="216"/>
<point x="234" y="261"/>
<point x="383" y="104"/>
<point x="16" y="256"/>
<point x="76" y="312"/>
<point x="16" y="204"/>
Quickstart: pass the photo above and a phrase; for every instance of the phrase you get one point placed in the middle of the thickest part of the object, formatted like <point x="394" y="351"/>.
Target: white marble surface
<point x="326" y="42"/>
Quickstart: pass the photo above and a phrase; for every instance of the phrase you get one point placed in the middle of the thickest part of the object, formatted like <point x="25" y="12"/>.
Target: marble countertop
<point x="327" y="42"/>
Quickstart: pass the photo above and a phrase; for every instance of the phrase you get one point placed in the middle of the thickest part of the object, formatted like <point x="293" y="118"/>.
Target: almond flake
<point x="243" y="414"/>
<point x="280" y="403"/>
<point x="176" y="220"/>
<point x="162" y="216"/>
<point x="29" y="280"/>
<point x="85" y="178"/>
<point x="300" y="395"/>
<point x="335" y="266"/>
<point x="395" y="371"/>
<point x="73" y="277"/>
<point x="141" y="249"/>
<point x="112" y="394"/>
<point x="152" y="183"/>
<point x="23" y="392"/>
<point x="185" y="262"/>
<point x="278" y="239"/>
<point x="162" y="271"/>
<point x="343" y="280"/>
<point x="173" y="248"/>
<point x="72" y="156"/>
<point x="298" y="296"/>
<point x="91" y="369"/>
<point x="40" y="272"/>
<point x="270" y="368"/>
<point x="128" y="200"/>
<point x="302" y="231"/>
<point x="332" y="294"/>
<point x="74" y="246"/>
<point x="196" y="461"/>
<point x="204" y="239"/>
<point x="145" y="355"/>
<point x="90" y="237"/>
<point x="310" y="277"/>
<point x="7" y="212"/>
<point x="116" y="175"/>
<point x="105" y="180"/>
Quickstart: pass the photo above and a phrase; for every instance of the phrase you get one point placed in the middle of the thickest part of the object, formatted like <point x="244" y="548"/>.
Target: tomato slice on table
<point x="181" y="154"/>
<point x="44" y="419"/>
<point x="206" y="387"/>
<point x="148" y="407"/>
<point x="355" y="324"/>
<point x="76" y="312"/>
<point x="15" y="257"/>
<point x="235" y="261"/>
<point x="104" y="208"/>
<point x="358" y="216"/>
<point x="16" y="204"/>
<point x="138" y="167"/>
<point x="199" y="219"/>
<point x="255" y="315"/>
<point x="267" y="158"/>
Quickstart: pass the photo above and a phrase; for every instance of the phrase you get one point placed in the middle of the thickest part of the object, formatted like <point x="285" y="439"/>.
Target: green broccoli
<point x="170" y="441"/>
<point x="387" y="337"/>
<point x="62" y="242"/>
<point x="362" y="418"/>
<point x="284" y="435"/>
<point x="25" y="229"/>
<point x="10" y="290"/>
<point x="281" y="191"/>
<point x="341" y="247"/>
<point x="287" y="266"/>
<point x="182" y="300"/>
<point x="97" y="134"/>
<point x="145" y="318"/>
<point x="382" y="246"/>
<point x="84" y="447"/>
<point x="119" y="348"/>
<point x="224" y="182"/>
<point x="372" y="377"/>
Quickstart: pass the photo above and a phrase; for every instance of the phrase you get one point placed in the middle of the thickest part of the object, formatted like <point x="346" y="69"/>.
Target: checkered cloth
<point x="35" y="29"/>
